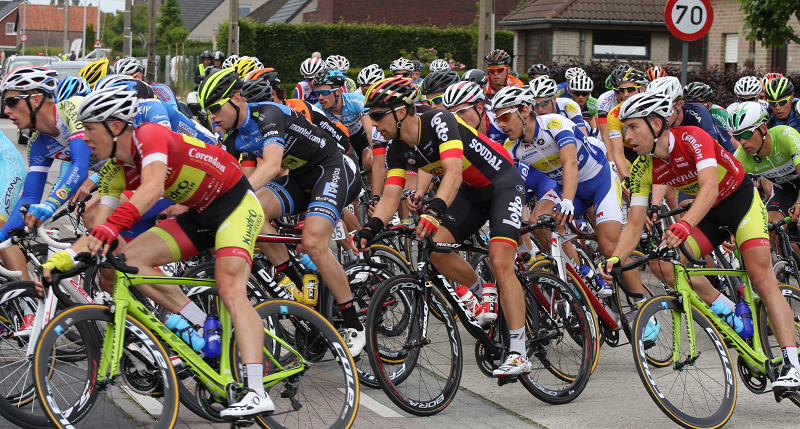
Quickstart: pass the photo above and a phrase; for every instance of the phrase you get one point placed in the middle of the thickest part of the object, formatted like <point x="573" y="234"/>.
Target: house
<point x="202" y="17"/>
<point x="8" y="17"/>
<point x="44" y="24"/>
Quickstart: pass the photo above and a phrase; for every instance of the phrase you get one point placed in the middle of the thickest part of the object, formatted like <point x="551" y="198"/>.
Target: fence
<point x="179" y="73"/>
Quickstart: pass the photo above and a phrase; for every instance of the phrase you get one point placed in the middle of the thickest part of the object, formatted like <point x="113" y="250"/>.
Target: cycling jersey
<point x="792" y="120"/>
<point x="699" y="116"/>
<point x="510" y="81"/>
<point x="780" y="165"/>
<point x="493" y="130"/>
<point x="719" y="115"/>
<point x="12" y="176"/>
<point x="336" y="130"/>
<point x="349" y="85"/>
<point x="690" y="150"/>
<point x="606" y="103"/>
<point x="536" y="183"/>
<point x="304" y="92"/>
<point x="352" y="111"/>
<point x="165" y="94"/>
<point x="562" y="91"/>
<point x="153" y="111"/>
<point x="180" y="123"/>
<point x="616" y="129"/>
<point x="590" y="109"/>
<point x="553" y="132"/>
<point x="570" y="110"/>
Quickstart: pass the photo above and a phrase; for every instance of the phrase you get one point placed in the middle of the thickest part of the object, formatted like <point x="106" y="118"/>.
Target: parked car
<point x="15" y="61"/>
<point x="68" y="68"/>
<point x="97" y="54"/>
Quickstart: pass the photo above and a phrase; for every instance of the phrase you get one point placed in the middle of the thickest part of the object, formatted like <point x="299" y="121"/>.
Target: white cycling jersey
<point x="607" y="101"/>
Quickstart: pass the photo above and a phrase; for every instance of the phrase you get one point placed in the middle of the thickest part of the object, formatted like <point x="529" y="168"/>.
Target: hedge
<point x="285" y="46"/>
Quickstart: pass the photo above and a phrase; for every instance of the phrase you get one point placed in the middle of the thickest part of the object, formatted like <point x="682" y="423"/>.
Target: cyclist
<point x="569" y="74"/>
<point x="475" y="75"/>
<point x="130" y="66"/>
<point x="367" y="76"/>
<point x="217" y="58"/>
<point x="686" y="158"/>
<point x="206" y="58"/>
<point x="95" y="71"/>
<point x="338" y="62"/>
<point x="632" y="82"/>
<point x="537" y="70"/>
<point x="606" y="102"/>
<point x="702" y="94"/>
<point x="416" y="75"/>
<point x="466" y="100"/>
<point x="747" y="88"/>
<point x="580" y="89"/>
<point x="230" y="60"/>
<point x="479" y="183"/>
<point x="320" y="180"/>
<point x="499" y="63"/>
<point x="543" y="89"/>
<point x="655" y="72"/>
<point x="401" y="67"/>
<point x="434" y="86"/>
<point x="246" y="65"/>
<point x="780" y="97"/>
<point x="304" y="90"/>
<point x="12" y="175"/>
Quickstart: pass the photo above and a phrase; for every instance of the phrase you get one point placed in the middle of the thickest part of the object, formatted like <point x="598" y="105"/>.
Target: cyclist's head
<point x="581" y="87"/>
<point x="258" y="73"/>
<point x="435" y="84"/>
<point x="229" y="61"/>
<point x="537" y="70"/>
<point x="206" y="57"/>
<point x="747" y="88"/>
<point x="439" y="65"/>
<point x="645" y="118"/>
<point x="573" y="72"/>
<point x="631" y="83"/>
<point x="219" y="94"/>
<point x="465" y="99"/>
<point x="143" y="90"/>
<point x="245" y="65"/>
<point x="475" y="75"/>
<point x="328" y="87"/>
<point x="698" y="92"/>
<point x="748" y="125"/>
<point x="617" y="74"/>
<point x="499" y="64"/>
<point x="106" y="114"/>
<point x="543" y="90"/>
<point x="780" y="96"/>
<point x="337" y="62"/>
<point x="512" y="108"/>
<point x="94" y="71"/>
<point x="33" y="85"/>
<point x="671" y="87"/>
<point x="257" y="90"/>
<point x="655" y="72"/>
<point x="369" y="75"/>
<point x="218" y="57"/>
<point x="71" y="86"/>
<point x="129" y="66"/>
<point x="401" y="67"/>
<point x="390" y="102"/>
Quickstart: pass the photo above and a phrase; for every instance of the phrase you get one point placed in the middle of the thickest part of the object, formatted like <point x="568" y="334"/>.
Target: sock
<point x="477" y="287"/>
<point x="522" y="248"/>
<point x="254" y="373"/>
<point x="404" y="222"/>
<point x="727" y="301"/>
<point x="516" y="343"/>
<point x="790" y="356"/>
<point x="351" y="254"/>
<point x="639" y="302"/>
<point x="291" y="271"/>
<point x="348" y="310"/>
<point x="193" y="314"/>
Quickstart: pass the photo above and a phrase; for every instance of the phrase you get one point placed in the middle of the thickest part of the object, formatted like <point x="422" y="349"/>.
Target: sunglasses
<point x="433" y="101"/>
<point x="12" y="101"/>
<point x="581" y="94"/>
<point x="214" y="108"/>
<point x="780" y="103"/>
<point x="542" y="103"/>
<point x="377" y="116"/>
<point x="323" y="92"/>
<point x="505" y="117"/>
<point x="630" y="88"/>
<point x="743" y="136"/>
<point x="497" y="70"/>
<point x="748" y="98"/>
<point x="463" y="109"/>
<point x="406" y="74"/>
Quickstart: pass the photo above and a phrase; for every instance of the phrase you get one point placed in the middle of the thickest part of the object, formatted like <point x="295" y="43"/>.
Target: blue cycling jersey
<point x="493" y="130"/>
<point x="699" y="116"/>
<point x="352" y="111"/>
<point x="561" y="91"/>
<point x="792" y="121"/>
<point x="151" y="110"/>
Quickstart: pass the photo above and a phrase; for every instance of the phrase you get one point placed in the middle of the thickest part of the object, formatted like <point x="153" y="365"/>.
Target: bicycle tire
<point x="421" y="378"/>
<point x="768" y="340"/>
<point x="561" y="341"/>
<point x="711" y="374"/>
<point x="316" y="392"/>
<point x="77" y="391"/>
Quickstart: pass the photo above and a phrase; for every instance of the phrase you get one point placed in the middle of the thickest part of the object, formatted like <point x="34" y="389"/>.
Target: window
<point x="606" y="44"/>
<point x="10" y="29"/>
<point x="696" y="49"/>
<point x="244" y="10"/>
<point x="538" y="48"/>
<point x="731" y="51"/>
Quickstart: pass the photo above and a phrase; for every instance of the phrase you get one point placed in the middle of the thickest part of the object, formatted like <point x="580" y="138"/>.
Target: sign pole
<point x="685" y="62"/>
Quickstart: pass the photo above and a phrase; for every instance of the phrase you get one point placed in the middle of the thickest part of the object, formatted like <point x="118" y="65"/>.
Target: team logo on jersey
<point x="571" y="108"/>
<point x="451" y="217"/>
<point x="62" y="193"/>
<point x="440" y="127"/>
<point x="553" y="124"/>
<point x="520" y="189"/>
<point x="540" y="142"/>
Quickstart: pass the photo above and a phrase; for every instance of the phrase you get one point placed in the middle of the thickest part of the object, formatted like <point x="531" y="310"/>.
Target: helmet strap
<point x="524" y="122"/>
<point x="34" y="112"/>
<point x="114" y="138"/>
<point x="656" y="136"/>
<point x="235" y="107"/>
<point x="757" y="158"/>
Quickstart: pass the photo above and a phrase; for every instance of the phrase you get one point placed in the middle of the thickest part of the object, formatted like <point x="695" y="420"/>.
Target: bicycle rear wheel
<point x="147" y="397"/>
<point x="697" y="392"/>
<point x="418" y="368"/>
<point x="770" y="343"/>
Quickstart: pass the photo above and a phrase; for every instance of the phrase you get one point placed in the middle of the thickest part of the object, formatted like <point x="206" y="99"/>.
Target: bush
<point x="285" y="46"/>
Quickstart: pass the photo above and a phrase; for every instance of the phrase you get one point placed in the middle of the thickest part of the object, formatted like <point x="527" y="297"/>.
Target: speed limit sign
<point x="688" y="20"/>
<point x="23" y="37"/>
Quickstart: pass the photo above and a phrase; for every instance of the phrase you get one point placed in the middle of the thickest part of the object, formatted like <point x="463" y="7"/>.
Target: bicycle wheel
<point x="561" y="341"/>
<point x="147" y="396"/>
<point x="770" y="343"/>
<point x="697" y="392"/>
<point x="785" y="275"/>
<point x="418" y="369"/>
<point x="326" y="394"/>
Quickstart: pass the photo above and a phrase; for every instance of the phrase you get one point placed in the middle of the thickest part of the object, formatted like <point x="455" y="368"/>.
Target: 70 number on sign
<point x="689" y="16"/>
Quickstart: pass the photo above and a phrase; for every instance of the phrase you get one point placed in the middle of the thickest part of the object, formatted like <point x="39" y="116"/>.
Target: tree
<point x="90" y="36"/>
<point x="76" y="2"/>
<point x="766" y="21"/>
<point x="170" y="29"/>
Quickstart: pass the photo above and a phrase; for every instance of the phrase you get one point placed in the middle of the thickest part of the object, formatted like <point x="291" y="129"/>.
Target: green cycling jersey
<point x="780" y="166"/>
<point x="720" y="116"/>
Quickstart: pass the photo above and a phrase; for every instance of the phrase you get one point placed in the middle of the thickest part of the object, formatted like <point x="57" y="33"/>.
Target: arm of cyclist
<point x="269" y="168"/>
<point x="448" y="188"/>
<point x="659" y="191"/>
<point x="709" y="190"/>
<point x="32" y="189"/>
<point x="628" y="240"/>
<point x="80" y="154"/>
<point x="85" y="189"/>
<point x="569" y="162"/>
<point x="623" y="171"/>
<point x="423" y="182"/>
<point x="368" y="156"/>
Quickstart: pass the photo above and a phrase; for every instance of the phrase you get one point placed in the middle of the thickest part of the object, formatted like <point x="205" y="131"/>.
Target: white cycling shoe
<point x="248" y="406"/>
<point x="355" y="340"/>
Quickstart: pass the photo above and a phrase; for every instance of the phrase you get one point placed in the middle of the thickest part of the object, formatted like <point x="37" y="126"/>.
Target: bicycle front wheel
<point x="146" y="397"/>
<point x="695" y="391"/>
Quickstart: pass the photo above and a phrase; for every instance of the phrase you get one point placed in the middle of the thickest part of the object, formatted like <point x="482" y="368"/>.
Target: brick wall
<point x="442" y="13"/>
<point x="9" y="41"/>
<point x="659" y="47"/>
<point x="566" y="45"/>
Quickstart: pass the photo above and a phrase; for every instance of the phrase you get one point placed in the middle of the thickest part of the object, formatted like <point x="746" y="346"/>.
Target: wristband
<point x="437" y="205"/>
<point x="681" y="230"/>
<point x="429" y="222"/>
<point x="125" y="216"/>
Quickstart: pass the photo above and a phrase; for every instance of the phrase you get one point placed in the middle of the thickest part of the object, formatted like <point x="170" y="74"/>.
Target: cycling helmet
<point x="417" y="65"/>
<point x="538" y="69"/>
<point x="401" y="64"/>
<point x="770" y="76"/>
<point x="206" y="54"/>
<point x="698" y="92"/>
<point x="30" y="78"/>
<point x="511" y="96"/>
<point x="646" y="104"/>
<point x="617" y="74"/>
<point x="95" y="70"/>
<point x="111" y="80"/>
<point x="746" y="117"/>
<point x="462" y="92"/>
<point x="217" y="86"/>
<point x="245" y="65"/>
<point x="229" y="61"/>
<point x="257" y="90"/>
<point x="668" y="85"/>
<point x="218" y="56"/>
<point x="112" y="103"/>
<point x="655" y="72"/>
<point x="581" y="83"/>
<point x="333" y="78"/>
<point x="475" y="75"/>
<point x="311" y="66"/>
<point x="779" y="88"/>
<point x="608" y="82"/>
<point x="337" y="62"/>
<point x="439" y="81"/>
<point x="513" y="73"/>
<point x="129" y="66"/>
<point x="370" y="74"/>
<point x="636" y="76"/>
<point x="572" y="72"/>
<point x="272" y="77"/>
<point x="747" y="87"/>
<point x="257" y="73"/>
<point x="498" y="57"/>
<point x="438" y="65"/>
<point x="543" y="86"/>
<point x="71" y="86"/>
<point x="391" y="91"/>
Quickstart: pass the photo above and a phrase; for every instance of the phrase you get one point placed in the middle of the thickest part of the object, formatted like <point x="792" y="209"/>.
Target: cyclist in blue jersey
<point x="546" y="102"/>
<point x="784" y="107"/>
<point x="562" y="90"/>
<point x="12" y="177"/>
<point x="69" y="87"/>
<point x="348" y="109"/>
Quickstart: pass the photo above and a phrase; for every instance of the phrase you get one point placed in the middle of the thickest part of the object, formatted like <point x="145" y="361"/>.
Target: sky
<point x="105" y="5"/>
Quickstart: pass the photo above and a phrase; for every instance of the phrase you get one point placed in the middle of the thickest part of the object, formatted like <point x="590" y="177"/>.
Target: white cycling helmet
<point x="29" y="78"/>
<point x="370" y="74"/>
<point x="111" y="80"/>
<point x="746" y="117"/>
<point x="574" y="71"/>
<point x="438" y="65"/>
<point x="337" y="62"/>
<point x="646" y="104"/>
<point x="112" y="103"/>
<point x="462" y="92"/>
<point x="667" y="85"/>
<point x="581" y="82"/>
<point x="747" y="87"/>
<point x="229" y="61"/>
<point x="512" y="96"/>
<point x="128" y="66"/>
<point x="311" y="66"/>
<point x="401" y="64"/>
<point x="543" y="86"/>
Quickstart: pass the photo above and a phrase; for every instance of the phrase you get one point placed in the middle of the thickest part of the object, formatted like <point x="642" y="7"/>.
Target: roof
<point x="194" y="12"/>
<point x="264" y="12"/>
<point x="7" y="7"/>
<point x="50" y="17"/>
<point x="288" y="11"/>
<point x="600" y="11"/>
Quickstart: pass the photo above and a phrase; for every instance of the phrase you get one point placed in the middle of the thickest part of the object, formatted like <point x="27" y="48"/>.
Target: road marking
<point x="376" y="407"/>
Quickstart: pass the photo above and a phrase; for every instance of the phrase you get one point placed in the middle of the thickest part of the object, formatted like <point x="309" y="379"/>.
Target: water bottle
<point x="307" y="262"/>
<point x="310" y="285"/>
<point x="211" y="333"/>
<point x="179" y="325"/>
<point x="743" y="311"/>
<point x="727" y="315"/>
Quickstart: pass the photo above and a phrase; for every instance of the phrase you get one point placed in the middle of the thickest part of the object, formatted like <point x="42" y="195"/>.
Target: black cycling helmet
<point x="217" y="86"/>
<point x="206" y="54"/>
<point x="333" y="78"/>
<point x="538" y="69"/>
<point x="417" y="65"/>
<point x="475" y="75"/>
<point x="498" y="57"/>
<point x="779" y="88"/>
<point x="272" y="77"/>
<point x="257" y="90"/>
<point x="698" y="92"/>
<point x="439" y="81"/>
<point x="636" y="76"/>
<point x="617" y="74"/>
<point x="218" y="56"/>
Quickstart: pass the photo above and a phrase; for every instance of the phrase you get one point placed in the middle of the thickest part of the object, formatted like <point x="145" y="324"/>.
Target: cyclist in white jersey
<point x="304" y="90"/>
<point x="543" y="89"/>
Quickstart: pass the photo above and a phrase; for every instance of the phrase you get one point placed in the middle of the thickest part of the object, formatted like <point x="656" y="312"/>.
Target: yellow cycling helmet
<point x="245" y="65"/>
<point x="95" y="71"/>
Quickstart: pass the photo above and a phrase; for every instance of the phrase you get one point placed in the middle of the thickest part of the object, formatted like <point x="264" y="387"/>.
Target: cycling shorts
<point x="359" y="142"/>
<point x="782" y="199"/>
<point x="324" y="194"/>
<point x="231" y="224"/>
<point x="601" y="192"/>
<point x="500" y="203"/>
<point x="536" y="183"/>
<point x="742" y="212"/>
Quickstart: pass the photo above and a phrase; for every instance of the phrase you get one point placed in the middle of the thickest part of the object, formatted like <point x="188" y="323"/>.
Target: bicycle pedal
<point x="242" y="424"/>
<point x="507" y="380"/>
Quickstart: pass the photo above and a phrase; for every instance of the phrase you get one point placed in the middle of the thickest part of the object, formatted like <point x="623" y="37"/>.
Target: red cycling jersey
<point x="690" y="150"/>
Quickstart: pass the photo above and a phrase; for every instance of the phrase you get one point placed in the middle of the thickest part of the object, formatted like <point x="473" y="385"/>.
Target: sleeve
<point x="703" y="148"/>
<point x="154" y="112"/>
<point x="790" y="143"/>
<point x="157" y="147"/>
<point x="614" y="124"/>
<point x="298" y="92"/>
<point x="641" y="179"/>
<point x="395" y="165"/>
<point x="33" y="187"/>
<point x="358" y="105"/>
<point x="80" y="155"/>
<point x="273" y="125"/>
<point x="561" y="129"/>
<point x="62" y="172"/>
<point x="574" y="114"/>
<point x="445" y="127"/>
<point x="110" y="184"/>
<point x="742" y="156"/>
